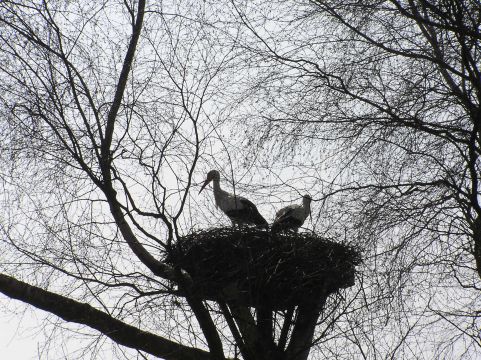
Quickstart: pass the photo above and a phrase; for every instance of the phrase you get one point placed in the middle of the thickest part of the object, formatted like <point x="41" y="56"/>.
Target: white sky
<point x="18" y="340"/>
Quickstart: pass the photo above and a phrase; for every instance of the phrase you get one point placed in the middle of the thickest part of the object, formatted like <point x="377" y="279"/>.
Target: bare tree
<point x="109" y="112"/>
<point x="107" y="109"/>
<point x="101" y="131"/>
<point x="375" y="105"/>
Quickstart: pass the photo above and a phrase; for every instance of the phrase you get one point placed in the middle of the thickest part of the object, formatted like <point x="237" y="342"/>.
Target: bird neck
<point x="307" y="207"/>
<point x="218" y="192"/>
<point x="216" y="185"/>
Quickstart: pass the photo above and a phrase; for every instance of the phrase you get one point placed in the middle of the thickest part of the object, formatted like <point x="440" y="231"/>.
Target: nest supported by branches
<point x="255" y="267"/>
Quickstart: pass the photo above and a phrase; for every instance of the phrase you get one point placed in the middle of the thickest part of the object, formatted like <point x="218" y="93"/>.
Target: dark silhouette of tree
<point x="376" y="105"/>
<point x="107" y="109"/>
<point x="396" y="78"/>
<point x="112" y="113"/>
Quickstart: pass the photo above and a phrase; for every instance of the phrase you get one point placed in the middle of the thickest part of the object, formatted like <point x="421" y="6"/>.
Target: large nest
<point x="255" y="267"/>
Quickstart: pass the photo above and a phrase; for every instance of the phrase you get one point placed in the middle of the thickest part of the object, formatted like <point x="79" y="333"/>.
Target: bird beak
<point x="204" y="185"/>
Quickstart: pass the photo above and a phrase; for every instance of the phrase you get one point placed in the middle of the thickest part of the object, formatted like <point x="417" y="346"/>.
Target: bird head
<point x="211" y="175"/>
<point x="306" y="199"/>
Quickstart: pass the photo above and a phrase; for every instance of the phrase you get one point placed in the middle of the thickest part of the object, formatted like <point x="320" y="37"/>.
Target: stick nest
<point x="254" y="267"/>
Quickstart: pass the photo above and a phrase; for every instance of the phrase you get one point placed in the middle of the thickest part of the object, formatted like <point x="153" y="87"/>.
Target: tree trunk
<point x="477" y="244"/>
<point x="303" y="332"/>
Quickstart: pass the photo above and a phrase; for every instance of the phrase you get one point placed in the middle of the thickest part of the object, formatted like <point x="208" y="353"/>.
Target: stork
<point x="293" y="216"/>
<point x="239" y="210"/>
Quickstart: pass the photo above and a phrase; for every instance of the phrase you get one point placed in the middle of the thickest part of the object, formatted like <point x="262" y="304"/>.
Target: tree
<point x="110" y="111"/>
<point x="377" y="103"/>
<point x="85" y="139"/>
<point x="107" y="110"/>
<point x="409" y="75"/>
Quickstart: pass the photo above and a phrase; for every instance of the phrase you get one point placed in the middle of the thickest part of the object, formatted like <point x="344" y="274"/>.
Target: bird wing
<point x="247" y="204"/>
<point x="256" y="217"/>
<point x="284" y="213"/>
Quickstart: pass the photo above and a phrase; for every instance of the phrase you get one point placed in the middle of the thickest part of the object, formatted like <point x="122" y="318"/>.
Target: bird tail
<point x="261" y="222"/>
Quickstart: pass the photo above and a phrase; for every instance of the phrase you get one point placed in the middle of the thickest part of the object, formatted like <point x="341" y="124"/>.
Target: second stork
<point x="293" y="216"/>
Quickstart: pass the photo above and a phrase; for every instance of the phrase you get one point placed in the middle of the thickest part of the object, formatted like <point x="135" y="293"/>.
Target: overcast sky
<point x="16" y="336"/>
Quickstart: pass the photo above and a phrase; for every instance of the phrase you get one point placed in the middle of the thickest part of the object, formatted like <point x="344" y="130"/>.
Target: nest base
<point x="255" y="267"/>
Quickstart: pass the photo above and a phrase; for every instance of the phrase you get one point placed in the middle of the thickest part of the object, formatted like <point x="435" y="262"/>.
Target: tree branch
<point x="122" y="82"/>
<point x="81" y="313"/>
<point x="302" y="334"/>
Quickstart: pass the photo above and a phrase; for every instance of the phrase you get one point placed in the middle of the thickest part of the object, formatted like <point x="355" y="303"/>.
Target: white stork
<point x="239" y="210"/>
<point x="293" y="216"/>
